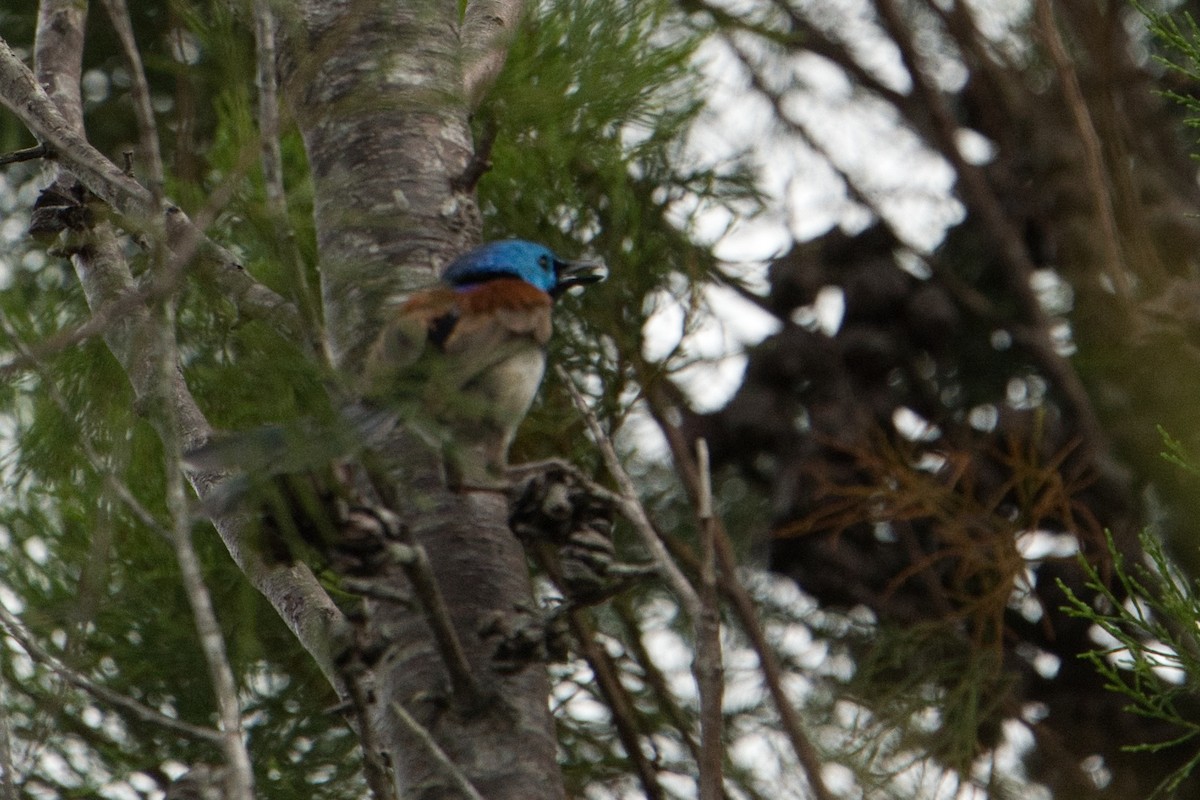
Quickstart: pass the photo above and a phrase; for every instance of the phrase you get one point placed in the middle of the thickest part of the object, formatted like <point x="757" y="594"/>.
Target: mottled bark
<point x="377" y="91"/>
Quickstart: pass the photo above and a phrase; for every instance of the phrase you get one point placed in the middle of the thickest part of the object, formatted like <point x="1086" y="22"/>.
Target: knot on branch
<point x="61" y="207"/>
<point x="559" y="507"/>
<point x="310" y="510"/>
<point x="525" y="636"/>
<point x="368" y="537"/>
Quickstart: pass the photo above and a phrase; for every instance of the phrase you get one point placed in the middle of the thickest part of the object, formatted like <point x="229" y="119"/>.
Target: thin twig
<point x="608" y="684"/>
<point x="619" y="703"/>
<point x="704" y="612"/>
<point x="27" y="154"/>
<point x="17" y="630"/>
<point x="772" y="670"/>
<point x="266" y="29"/>
<point x="8" y="781"/>
<point x="415" y="562"/>
<point x="481" y="158"/>
<point x="461" y="782"/>
<point x="374" y="770"/>
<point x="744" y="609"/>
<point x="631" y="505"/>
<point x="240" y="782"/>
<point x="666" y="700"/>
<point x="799" y="129"/>
<point x="1095" y="173"/>
<point x="139" y="92"/>
<point x="707" y="663"/>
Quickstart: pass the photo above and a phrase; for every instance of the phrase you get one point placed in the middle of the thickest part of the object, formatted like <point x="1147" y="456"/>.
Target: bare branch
<point x="415" y="563"/>
<point x="26" y="154"/>
<point x="266" y="28"/>
<point x="139" y="91"/>
<point x="361" y="699"/>
<point x="632" y="507"/>
<point x="240" y="781"/>
<point x="1095" y="171"/>
<point x="653" y="675"/>
<point x="488" y="27"/>
<point x="1019" y="266"/>
<point x="14" y="628"/>
<point x="58" y="56"/>
<point x="21" y="92"/>
<point x="24" y="96"/>
<point x="439" y="755"/>
<point x="743" y="606"/>
<point x="707" y="663"/>
<point x="701" y="607"/>
<point x="772" y="670"/>
<point x="59" y="48"/>
<point x="118" y="308"/>
<point x="617" y="699"/>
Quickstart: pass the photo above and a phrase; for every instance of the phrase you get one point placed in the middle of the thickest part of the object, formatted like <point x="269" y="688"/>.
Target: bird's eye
<point x="544" y="262"/>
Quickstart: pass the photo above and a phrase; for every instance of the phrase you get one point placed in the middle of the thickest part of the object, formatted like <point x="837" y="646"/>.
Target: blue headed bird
<point x="457" y="365"/>
<point x="471" y="351"/>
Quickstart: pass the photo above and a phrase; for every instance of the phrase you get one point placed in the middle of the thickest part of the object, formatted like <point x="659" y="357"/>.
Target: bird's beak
<point x="579" y="273"/>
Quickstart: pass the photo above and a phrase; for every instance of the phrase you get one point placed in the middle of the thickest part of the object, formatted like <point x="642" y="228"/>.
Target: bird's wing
<point x="497" y="320"/>
<point x="445" y="339"/>
<point x="426" y="316"/>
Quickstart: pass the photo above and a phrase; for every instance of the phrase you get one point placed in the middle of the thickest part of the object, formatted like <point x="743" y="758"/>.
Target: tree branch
<point x="617" y="699"/>
<point x="632" y="507"/>
<point x="488" y="28"/>
<point x="415" y="563"/>
<point x="26" y="154"/>
<point x="1095" y="173"/>
<point x="459" y="780"/>
<point x="266" y="29"/>
<point x="118" y="305"/>
<point x="743" y="606"/>
<point x="14" y="628"/>
<point x="139" y="92"/>
<point x="59" y="47"/>
<point x="21" y="93"/>
<point x="240" y="781"/>
<point x="701" y="607"/>
<point x="1010" y="247"/>
<point x="653" y="675"/>
<point x="707" y="663"/>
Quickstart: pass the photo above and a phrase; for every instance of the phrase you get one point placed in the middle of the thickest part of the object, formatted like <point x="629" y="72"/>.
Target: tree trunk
<point x="376" y="90"/>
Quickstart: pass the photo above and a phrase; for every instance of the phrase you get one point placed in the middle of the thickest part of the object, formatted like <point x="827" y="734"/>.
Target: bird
<point x="470" y="352"/>
<point x="457" y="363"/>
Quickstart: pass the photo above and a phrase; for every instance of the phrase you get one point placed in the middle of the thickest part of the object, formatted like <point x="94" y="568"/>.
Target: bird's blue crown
<point x="533" y="263"/>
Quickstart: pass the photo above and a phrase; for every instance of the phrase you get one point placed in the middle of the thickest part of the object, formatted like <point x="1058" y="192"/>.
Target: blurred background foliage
<point x="919" y="469"/>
